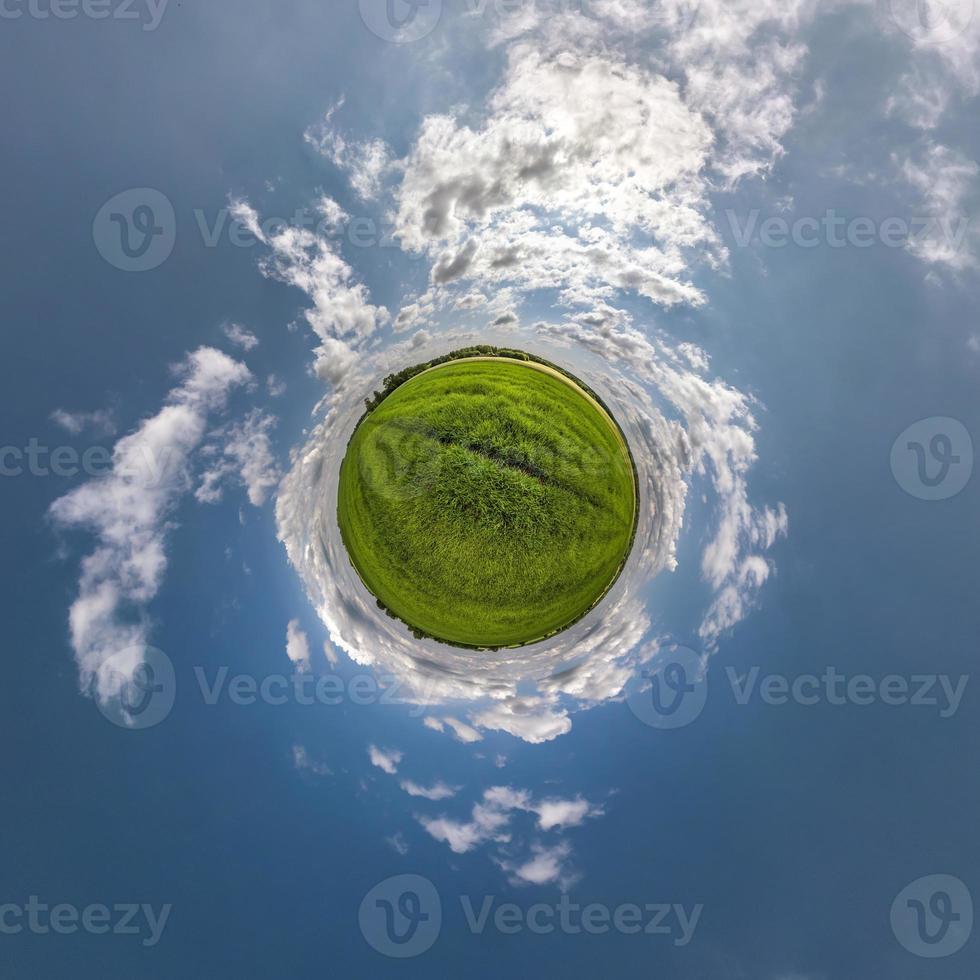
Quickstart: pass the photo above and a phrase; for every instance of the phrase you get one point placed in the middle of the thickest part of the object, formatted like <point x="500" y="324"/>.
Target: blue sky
<point x="750" y="226"/>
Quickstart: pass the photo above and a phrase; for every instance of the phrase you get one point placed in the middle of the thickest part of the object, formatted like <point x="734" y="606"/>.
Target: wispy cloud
<point x="303" y="762"/>
<point x="100" y="421"/>
<point x="437" y="791"/>
<point x="128" y="512"/>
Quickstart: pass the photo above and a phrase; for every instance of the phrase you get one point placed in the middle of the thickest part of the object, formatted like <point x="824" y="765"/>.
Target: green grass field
<point x="487" y="503"/>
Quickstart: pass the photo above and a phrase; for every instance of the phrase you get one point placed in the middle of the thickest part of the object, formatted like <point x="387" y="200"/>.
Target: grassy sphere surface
<point x="488" y="502"/>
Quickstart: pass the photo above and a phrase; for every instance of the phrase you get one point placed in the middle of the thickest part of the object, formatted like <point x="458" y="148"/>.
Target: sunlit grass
<point x="487" y="503"/>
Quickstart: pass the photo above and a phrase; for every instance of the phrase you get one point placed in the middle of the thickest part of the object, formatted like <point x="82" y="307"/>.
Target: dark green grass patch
<point x="487" y="503"/>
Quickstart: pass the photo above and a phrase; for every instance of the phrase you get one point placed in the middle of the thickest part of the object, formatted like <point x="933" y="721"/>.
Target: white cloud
<point x="297" y="646"/>
<point x="397" y="843"/>
<point x="240" y="337"/>
<point x="463" y="732"/>
<point x="244" y="450"/>
<point x="342" y="316"/>
<point x="364" y="162"/>
<point x="460" y="730"/>
<point x="578" y="155"/>
<point x="303" y="762"/>
<point x="546" y="866"/>
<point x="944" y="180"/>
<point x="920" y="98"/>
<point x="129" y="512"/>
<point x="437" y="791"/>
<point x="487" y="823"/>
<point x="100" y="421"/>
<point x="717" y="442"/>
<point x="531" y="719"/>
<point x="385" y="759"/>
<point x="490" y="818"/>
<point x="740" y="59"/>
<point x="564" y="813"/>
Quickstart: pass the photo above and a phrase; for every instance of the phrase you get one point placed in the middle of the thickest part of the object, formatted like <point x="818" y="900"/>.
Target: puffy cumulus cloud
<point x="297" y="646"/>
<point x="129" y="512"/>
<point x="385" y="759"/>
<point x="735" y="61"/>
<point x="244" y="451"/>
<point x="532" y="719"/>
<point x="491" y="823"/>
<point x="579" y="154"/>
<point x="491" y="817"/>
<point x="560" y="814"/>
<point x="487" y="824"/>
<point x="545" y="866"/>
<point x="240" y="336"/>
<point x="737" y="64"/>
<point x="739" y="60"/>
